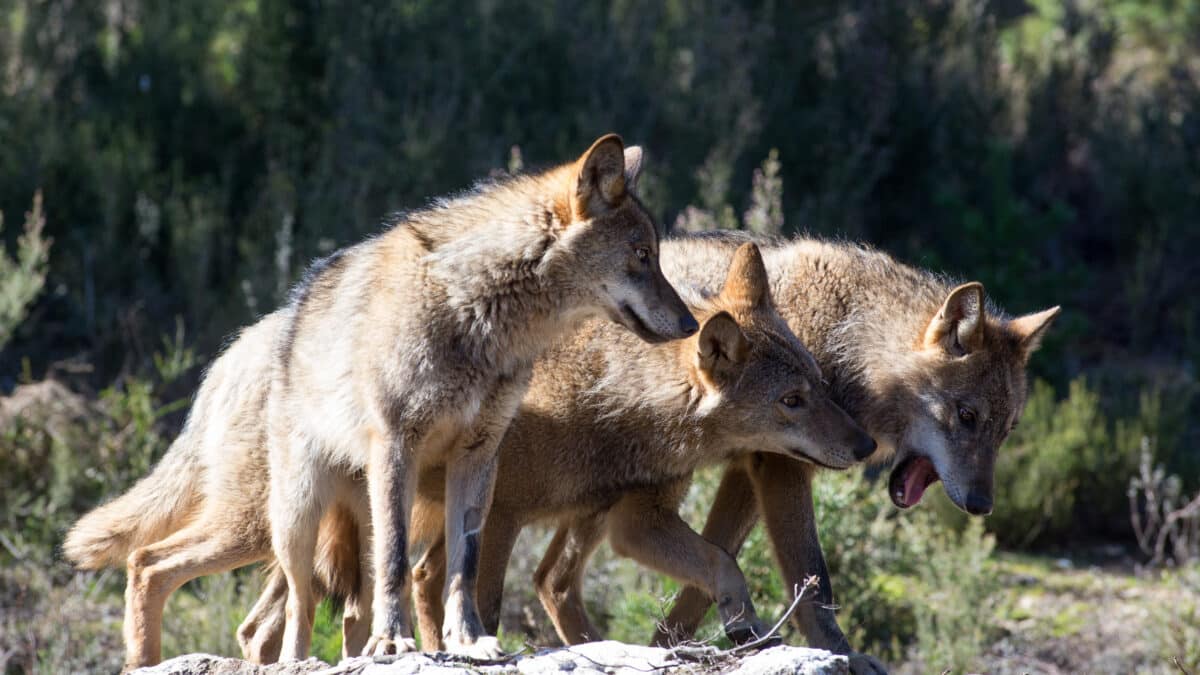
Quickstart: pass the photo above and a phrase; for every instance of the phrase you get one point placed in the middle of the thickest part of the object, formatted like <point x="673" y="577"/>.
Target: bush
<point x="22" y="278"/>
<point x="1178" y="631"/>
<point x="909" y="586"/>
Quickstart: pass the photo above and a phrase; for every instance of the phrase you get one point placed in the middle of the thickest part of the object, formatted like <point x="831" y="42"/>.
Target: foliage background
<point x="193" y="156"/>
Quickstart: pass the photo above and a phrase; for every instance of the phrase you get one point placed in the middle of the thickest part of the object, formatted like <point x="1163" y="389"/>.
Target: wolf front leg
<point x="429" y="573"/>
<point x="733" y="514"/>
<point x="784" y="490"/>
<point x="470" y="480"/>
<point x="390" y="488"/>
<point x="646" y="526"/>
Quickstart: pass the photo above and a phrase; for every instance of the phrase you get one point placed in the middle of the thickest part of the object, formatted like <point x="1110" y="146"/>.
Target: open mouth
<point x="809" y="458"/>
<point x="634" y="323"/>
<point x="909" y="479"/>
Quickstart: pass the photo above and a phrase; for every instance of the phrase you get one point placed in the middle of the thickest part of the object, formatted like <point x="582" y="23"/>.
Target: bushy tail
<point x="150" y="510"/>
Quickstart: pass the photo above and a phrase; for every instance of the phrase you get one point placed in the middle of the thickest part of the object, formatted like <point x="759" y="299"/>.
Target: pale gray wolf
<point x="203" y="508"/>
<point x="415" y="348"/>
<point x="415" y="345"/>
<point x="606" y="441"/>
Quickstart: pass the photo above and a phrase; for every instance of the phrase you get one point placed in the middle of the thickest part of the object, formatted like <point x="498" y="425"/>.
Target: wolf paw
<point x="862" y="664"/>
<point x="743" y="632"/>
<point x="484" y="648"/>
<point x="382" y="645"/>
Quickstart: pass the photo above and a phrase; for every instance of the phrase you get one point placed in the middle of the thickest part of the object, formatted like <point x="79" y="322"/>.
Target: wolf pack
<point x="531" y="352"/>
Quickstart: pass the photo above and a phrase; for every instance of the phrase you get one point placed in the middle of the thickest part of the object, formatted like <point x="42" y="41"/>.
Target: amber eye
<point x="792" y="401"/>
<point x="642" y="253"/>
<point x="966" y="416"/>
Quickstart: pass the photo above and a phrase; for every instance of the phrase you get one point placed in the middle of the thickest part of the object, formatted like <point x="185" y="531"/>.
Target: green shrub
<point x="1177" y="635"/>
<point x="910" y="585"/>
<point x="1060" y="452"/>
<point x="22" y="278"/>
<point x="955" y="596"/>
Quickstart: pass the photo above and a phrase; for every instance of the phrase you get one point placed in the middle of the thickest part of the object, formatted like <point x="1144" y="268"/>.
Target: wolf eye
<point x="966" y="416"/>
<point x="642" y="252"/>
<point x="792" y="401"/>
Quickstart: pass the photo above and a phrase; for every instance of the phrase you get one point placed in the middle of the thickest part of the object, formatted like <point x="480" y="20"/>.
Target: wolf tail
<point x="155" y="506"/>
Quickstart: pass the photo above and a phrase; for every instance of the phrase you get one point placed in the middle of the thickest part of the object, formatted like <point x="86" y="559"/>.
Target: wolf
<point x="411" y="347"/>
<point x="930" y="367"/>
<point x="606" y="440"/>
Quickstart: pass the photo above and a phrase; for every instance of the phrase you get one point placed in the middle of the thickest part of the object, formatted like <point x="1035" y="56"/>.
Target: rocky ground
<point x="595" y="658"/>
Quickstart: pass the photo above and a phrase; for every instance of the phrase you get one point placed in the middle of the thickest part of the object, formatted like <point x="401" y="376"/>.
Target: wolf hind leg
<point x="301" y="489"/>
<point x="206" y="546"/>
<point x="559" y="578"/>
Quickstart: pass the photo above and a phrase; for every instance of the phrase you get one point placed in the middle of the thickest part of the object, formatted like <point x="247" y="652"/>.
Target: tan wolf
<point x="607" y="438"/>
<point x="412" y="347"/>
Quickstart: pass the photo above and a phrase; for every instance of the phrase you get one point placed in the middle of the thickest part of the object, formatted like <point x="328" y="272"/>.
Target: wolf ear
<point x="722" y="346"/>
<point x="958" y="326"/>
<point x="599" y="178"/>
<point x="633" y="166"/>
<point x="1029" y="329"/>
<point x="746" y="280"/>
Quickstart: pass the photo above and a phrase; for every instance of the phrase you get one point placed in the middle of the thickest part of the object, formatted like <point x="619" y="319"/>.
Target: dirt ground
<point x="1102" y="615"/>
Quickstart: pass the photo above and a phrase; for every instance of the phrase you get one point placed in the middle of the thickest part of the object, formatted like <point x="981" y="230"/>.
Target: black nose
<point x="688" y="325"/>
<point x="978" y="504"/>
<point x="865" y="448"/>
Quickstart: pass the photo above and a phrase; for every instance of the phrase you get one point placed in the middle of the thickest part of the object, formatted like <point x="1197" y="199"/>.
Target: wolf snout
<point x="688" y="325"/>
<point x="977" y="503"/>
<point x="865" y="448"/>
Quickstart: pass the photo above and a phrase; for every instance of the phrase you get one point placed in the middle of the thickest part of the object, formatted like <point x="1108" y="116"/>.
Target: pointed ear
<point x="599" y="178"/>
<point x="1029" y="329"/>
<point x="746" y="281"/>
<point x="633" y="166"/>
<point x="958" y="326"/>
<point x="722" y="346"/>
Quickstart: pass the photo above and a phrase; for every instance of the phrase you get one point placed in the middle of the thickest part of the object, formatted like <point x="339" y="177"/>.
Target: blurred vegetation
<point x="22" y="278"/>
<point x="194" y="155"/>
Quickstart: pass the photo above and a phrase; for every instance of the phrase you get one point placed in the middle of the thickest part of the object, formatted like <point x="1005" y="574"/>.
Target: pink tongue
<point x="920" y="475"/>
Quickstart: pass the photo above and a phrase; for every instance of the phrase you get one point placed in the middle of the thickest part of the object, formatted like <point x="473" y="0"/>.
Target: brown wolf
<point x="607" y="438"/>
<point x="932" y="370"/>
<point x="412" y="347"/>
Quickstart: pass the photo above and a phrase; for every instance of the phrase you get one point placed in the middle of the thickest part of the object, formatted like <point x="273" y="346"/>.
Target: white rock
<point x="593" y="658"/>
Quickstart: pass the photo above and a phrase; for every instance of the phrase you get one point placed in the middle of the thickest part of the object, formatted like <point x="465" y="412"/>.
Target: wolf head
<point x="614" y="244"/>
<point x="968" y="370"/>
<point x="763" y="388"/>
